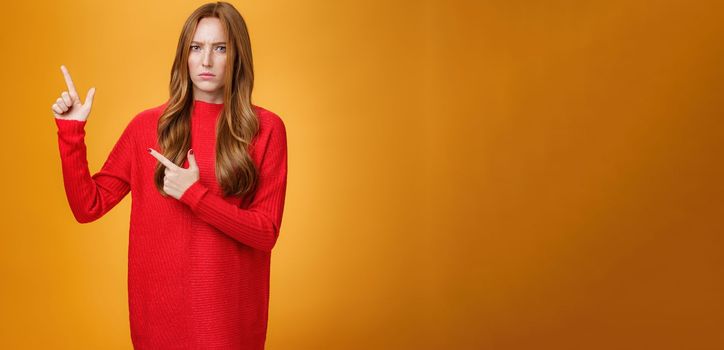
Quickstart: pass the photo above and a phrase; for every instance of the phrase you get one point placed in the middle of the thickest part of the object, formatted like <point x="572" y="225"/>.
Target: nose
<point x="207" y="59"/>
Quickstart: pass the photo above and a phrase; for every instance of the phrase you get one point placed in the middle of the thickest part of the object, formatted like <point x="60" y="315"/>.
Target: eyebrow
<point x="217" y="43"/>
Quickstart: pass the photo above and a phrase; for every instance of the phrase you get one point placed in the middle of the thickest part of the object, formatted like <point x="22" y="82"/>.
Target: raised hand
<point x="68" y="105"/>
<point x="177" y="179"/>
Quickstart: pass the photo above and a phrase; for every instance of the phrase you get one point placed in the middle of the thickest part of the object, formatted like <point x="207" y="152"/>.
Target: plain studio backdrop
<point x="462" y="174"/>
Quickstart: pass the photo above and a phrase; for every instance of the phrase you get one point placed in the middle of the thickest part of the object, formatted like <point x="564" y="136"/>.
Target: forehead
<point x="209" y="29"/>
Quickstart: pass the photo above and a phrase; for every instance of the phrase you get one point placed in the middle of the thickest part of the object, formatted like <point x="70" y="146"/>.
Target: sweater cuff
<point x="70" y="125"/>
<point x="193" y="194"/>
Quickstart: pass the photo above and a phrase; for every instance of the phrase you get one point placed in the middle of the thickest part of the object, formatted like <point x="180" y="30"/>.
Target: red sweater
<point x="198" y="267"/>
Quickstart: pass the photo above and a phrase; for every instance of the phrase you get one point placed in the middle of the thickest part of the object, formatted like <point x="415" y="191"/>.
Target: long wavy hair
<point x="237" y="124"/>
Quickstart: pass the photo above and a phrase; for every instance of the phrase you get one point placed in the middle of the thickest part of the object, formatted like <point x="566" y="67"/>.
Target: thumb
<point x="192" y="159"/>
<point x="89" y="97"/>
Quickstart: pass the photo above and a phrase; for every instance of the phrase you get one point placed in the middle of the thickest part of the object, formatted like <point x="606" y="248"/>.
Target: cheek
<point x="221" y="62"/>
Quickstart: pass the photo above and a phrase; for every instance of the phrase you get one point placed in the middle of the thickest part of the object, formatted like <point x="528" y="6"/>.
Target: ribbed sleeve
<point x="258" y="225"/>
<point x="90" y="197"/>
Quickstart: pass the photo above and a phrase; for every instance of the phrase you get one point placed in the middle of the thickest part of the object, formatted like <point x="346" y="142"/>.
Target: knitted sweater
<point x="198" y="267"/>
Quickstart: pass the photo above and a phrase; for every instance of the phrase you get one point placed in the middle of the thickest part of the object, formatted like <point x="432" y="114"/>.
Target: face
<point x="207" y="55"/>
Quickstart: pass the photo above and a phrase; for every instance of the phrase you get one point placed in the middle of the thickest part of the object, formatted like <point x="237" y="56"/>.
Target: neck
<point x="203" y="96"/>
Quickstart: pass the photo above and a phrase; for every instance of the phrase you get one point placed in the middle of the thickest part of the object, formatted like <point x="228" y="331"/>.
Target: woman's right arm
<point x="90" y="197"/>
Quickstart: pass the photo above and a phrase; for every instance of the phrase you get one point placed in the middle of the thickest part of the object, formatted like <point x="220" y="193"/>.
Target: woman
<point x="207" y="201"/>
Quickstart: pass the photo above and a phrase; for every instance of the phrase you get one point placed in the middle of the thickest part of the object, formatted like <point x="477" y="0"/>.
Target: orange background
<point x="462" y="174"/>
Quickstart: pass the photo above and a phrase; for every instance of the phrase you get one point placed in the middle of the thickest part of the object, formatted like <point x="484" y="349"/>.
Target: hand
<point x="68" y="106"/>
<point x="177" y="179"/>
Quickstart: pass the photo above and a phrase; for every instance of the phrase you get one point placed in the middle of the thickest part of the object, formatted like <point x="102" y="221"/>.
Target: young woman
<point x="207" y="172"/>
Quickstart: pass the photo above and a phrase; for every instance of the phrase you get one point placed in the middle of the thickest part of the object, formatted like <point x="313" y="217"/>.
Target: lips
<point x="207" y="75"/>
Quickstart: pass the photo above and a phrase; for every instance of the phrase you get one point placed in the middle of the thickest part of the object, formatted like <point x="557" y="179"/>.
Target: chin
<point x="208" y="87"/>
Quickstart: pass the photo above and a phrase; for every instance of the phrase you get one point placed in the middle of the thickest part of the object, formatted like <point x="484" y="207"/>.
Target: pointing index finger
<point x="68" y="81"/>
<point x="162" y="159"/>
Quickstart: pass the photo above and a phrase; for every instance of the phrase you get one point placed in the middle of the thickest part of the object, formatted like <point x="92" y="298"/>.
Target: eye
<point x="192" y="46"/>
<point x="222" y="47"/>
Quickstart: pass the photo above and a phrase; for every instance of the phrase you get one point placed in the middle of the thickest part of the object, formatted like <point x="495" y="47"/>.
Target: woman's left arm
<point x="258" y="225"/>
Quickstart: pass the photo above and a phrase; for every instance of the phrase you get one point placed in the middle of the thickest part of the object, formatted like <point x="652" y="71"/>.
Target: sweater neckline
<point x="204" y="107"/>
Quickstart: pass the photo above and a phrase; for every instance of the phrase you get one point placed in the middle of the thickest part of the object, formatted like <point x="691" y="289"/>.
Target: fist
<point x="177" y="179"/>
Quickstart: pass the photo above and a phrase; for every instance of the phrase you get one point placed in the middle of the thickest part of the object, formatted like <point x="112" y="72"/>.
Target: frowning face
<point x="207" y="60"/>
